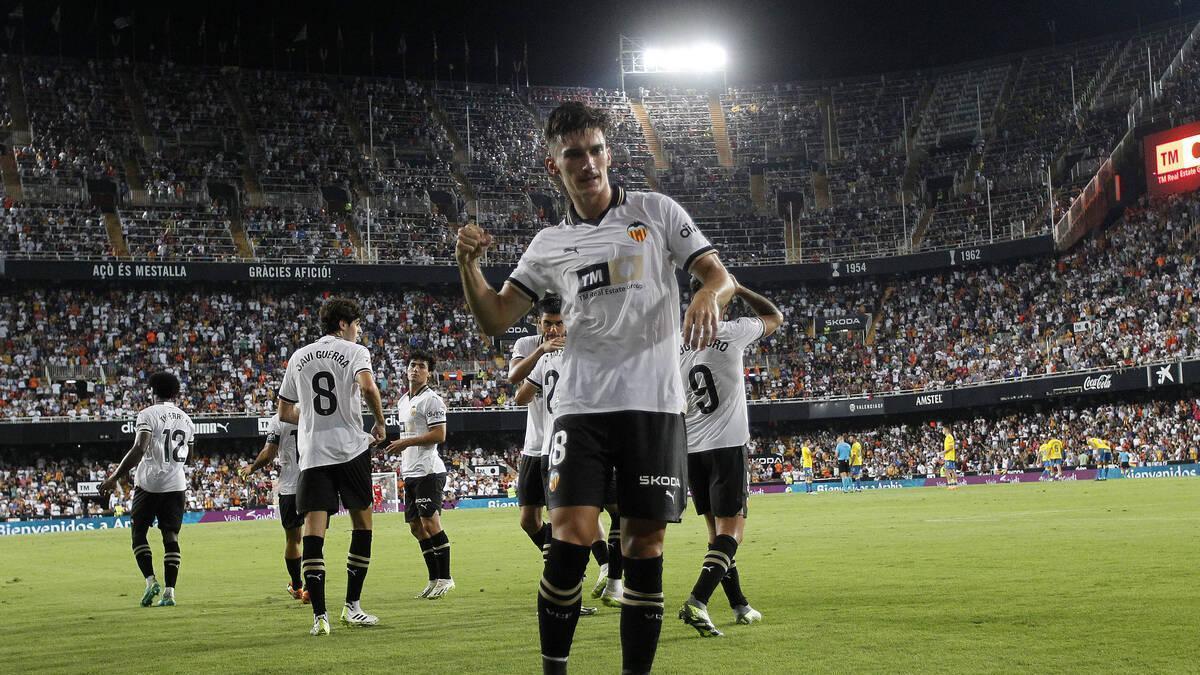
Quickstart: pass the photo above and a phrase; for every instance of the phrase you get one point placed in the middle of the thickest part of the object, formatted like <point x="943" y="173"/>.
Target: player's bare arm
<point x="522" y="367"/>
<point x="764" y="309"/>
<point x="494" y="311"/>
<point x="289" y="412"/>
<point x="265" y="457"/>
<point x="370" y="392"/>
<point x="703" y="312"/>
<point x="434" y="435"/>
<point x="130" y="460"/>
<point x="525" y="393"/>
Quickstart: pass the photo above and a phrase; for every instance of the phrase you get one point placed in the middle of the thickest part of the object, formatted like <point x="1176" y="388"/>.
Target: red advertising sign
<point x="1173" y="160"/>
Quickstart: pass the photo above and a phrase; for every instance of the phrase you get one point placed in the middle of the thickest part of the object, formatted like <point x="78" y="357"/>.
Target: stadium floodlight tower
<point x="638" y="57"/>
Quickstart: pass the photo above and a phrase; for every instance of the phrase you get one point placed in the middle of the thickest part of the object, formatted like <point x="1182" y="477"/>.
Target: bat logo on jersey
<point x="638" y="232"/>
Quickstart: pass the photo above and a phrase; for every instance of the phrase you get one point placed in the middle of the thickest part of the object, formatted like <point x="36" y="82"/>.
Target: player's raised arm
<point x="494" y="311"/>
<point x="703" y="312"/>
<point x="764" y="309"/>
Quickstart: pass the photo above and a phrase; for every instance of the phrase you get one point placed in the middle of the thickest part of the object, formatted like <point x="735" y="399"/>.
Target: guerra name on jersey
<point x="616" y="276"/>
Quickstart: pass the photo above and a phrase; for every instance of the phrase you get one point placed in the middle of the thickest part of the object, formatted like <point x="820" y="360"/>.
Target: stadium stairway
<point x="12" y="177"/>
<point x="112" y="224"/>
<point x="758" y="193"/>
<point x="918" y="233"/>
<point x="237" y="229"/>
<point x="829" y="136"/>
<point x="720" y="130"/>
<point x="17" y="109"/>
<point x="254" y="193"/>
<point x="136" y="180"/>
<point x="135" y="99"/>
<point x="460" y="151"/>
<point x="652" y="142"/>
<point x="822" y="197"/>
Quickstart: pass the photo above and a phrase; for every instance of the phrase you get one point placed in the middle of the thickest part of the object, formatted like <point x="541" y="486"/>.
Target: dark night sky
<point x="576" y="43"/>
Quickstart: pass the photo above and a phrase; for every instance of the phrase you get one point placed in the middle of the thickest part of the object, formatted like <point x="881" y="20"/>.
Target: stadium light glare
<point x="698" y="58"/>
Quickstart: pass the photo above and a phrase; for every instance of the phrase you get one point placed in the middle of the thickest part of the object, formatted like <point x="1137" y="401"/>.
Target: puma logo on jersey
<point x="571" y="249"/>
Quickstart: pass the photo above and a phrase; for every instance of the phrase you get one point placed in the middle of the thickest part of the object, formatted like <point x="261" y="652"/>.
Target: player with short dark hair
<point x="322" y="393"/>
<point x="718" y="429"/>
<point x="163" y="439"/>
<point x="843" y="460"/>
<point x="421" y="415"/>
<point x="612" y="260"/>
<point x="281" y="445"/>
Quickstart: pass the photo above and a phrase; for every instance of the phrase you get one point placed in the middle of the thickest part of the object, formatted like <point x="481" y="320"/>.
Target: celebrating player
<point x="1103" y="456"/>
<point x="163" y="440"/>
<point x="322" y="393"/>
<point x="281" y="444"/>
<point x="718" y="428"/>
<point x="613" y="261"/>
<point x="421" y="414"/>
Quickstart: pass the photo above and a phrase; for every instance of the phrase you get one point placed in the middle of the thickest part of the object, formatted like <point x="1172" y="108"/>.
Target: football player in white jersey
<point x="620" y="399"/>
<point x="164" y="438"/>
<point x="718" y="428"/>
<point x="281" y="445"/>
<point x="421" y="415"/>
<point x="527" y="351"/>
<point x="322" y="393"/>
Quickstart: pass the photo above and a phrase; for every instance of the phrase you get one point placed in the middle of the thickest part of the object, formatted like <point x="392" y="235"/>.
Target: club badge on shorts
<point x="553" y="481"/>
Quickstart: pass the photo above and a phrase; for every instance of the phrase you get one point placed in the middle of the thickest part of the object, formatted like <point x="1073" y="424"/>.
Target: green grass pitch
<point x="1007" y="578"/>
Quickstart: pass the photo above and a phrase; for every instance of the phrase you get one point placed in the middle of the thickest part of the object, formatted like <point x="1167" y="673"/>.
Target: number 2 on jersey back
<point x="700" y="380"/>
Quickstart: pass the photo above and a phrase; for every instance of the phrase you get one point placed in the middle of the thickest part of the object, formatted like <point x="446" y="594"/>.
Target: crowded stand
<point x="1124" y="297"/>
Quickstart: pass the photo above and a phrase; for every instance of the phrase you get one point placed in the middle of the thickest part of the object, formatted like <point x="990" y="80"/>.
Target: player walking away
<point x="1125" y="458"/>
<point x="421" y="415"/>
<point x="950" y="457"/>
<point x="843" y="455"/>
<point x="619" y="398"/>
<point x="322" y="393"/>
<point x="163" y="441"/>
<point x="856" y="464"/>
<point x="1102" y="453"/>
<point x="806" y="462"/>
<point x="281" y="445"/>
<point x="718" y="428"/>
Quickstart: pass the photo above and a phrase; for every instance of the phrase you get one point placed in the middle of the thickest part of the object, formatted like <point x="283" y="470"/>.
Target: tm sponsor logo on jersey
<point x="615" y="276"/>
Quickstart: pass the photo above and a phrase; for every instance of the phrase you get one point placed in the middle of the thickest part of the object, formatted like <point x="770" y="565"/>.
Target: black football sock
<point x="357" y="562"/>
<point x="431" y="562"/>
<point x="313" y="566"/>
<point x="716" y="564"/>
<point x="441" y="548"/>
<point x="560" y="594"/>
<point x="171" y="560"/>
<point x="600" y="552"/>
<point x="293" y="568"/>
<point x="641" y="614"/>
<point x="615" y="558"/>
<point x="142" y="554"/>
<point x="546" y="543"/>
<point x="539" y="536"/>
<point x="732" y="583"/>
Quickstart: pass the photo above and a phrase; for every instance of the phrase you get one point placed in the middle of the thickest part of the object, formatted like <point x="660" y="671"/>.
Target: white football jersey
<point x="545" y="377"/>
<point x="284" y="435"/>
<point x="525" y="346"/>
<point x="171" y="437"/>
<point x="522" y="348"/>
<point x="416" y="415"/>
<point x="716" y="387"/>
<point x="321" y="379"/>
<point x="620" y="297"/>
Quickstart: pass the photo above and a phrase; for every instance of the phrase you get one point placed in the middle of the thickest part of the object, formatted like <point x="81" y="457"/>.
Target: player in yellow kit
<point x="806" y="462"/>
<point x="1055" y="447"/>
<point x="950" y="455"/>
<point x="856" y="462"/>
<point x="1103" y="456"/>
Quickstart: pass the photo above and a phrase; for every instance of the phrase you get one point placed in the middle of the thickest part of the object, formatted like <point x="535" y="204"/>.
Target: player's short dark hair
<point x="550" y="304"/>
<point x="335" y="311"/>
<point x="165" y="385"/>
<point x="422" y="355"/>
<point x="573" y="117"/>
